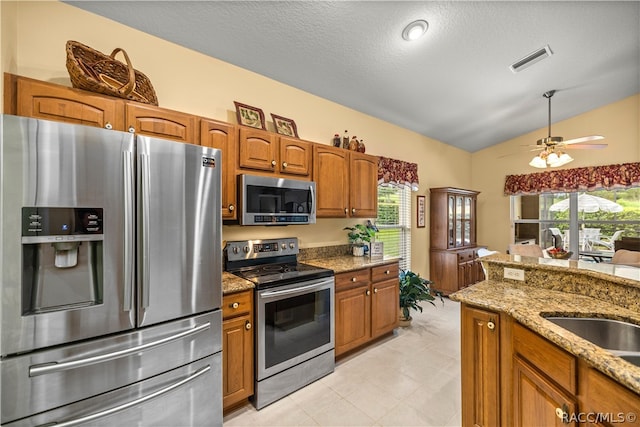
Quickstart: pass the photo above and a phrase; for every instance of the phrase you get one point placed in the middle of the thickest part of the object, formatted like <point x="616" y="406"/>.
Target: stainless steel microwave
<point x="268" y="200"/>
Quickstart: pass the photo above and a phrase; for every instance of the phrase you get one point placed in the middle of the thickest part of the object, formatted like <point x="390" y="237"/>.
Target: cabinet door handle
<point x="345" y="210"/>
<point x="353" y="210"/>
<point x="131" y="129"/>
<point x="284" y="165"/>
<point x="247" y="325"/>
<point x="273" y="163"/>
<point x="231" y="208"/>
<point x="562" y="414"/>
<point x="491" y="325"/>
<point x="375" y="290"/>
<point x="108" y="125"/>
<point x="368" y="292"/>
<point x="235" y="305"/>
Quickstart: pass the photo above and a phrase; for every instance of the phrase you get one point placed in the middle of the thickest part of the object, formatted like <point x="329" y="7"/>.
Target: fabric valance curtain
<point x="398" y="172"/>
<point x="623" y="175"/>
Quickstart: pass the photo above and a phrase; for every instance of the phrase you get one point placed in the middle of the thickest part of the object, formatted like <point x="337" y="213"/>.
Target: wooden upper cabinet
<point x="295" y="156"/>
<point x="159" y="122"/>
<point x="331" y="174"/>
<point x="257" y="149"/>
<point x="265" y="151"/>
<point x="48" y="101"/>
<point x="363" y="194"/>
<point x="224" y="136"/>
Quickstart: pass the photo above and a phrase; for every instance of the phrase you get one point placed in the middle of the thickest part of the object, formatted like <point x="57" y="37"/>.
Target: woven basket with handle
<point x="94" y="71"/>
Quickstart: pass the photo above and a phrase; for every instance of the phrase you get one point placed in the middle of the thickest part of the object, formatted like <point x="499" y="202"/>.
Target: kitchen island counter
<point x="561" y="289"/>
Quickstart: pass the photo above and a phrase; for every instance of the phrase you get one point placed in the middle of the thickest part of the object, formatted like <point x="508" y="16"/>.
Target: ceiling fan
<point x="550" y="146"/>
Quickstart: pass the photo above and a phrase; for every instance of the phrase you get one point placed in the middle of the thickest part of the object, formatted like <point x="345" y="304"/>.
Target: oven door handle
<point x="273" y="294"/>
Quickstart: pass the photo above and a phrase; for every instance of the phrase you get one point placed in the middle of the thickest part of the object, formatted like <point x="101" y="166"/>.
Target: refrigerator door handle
<point x="129" y="240"/>
<point x="52" y="367"/>
<point x="132" y="403"/>
<point x="145" y="184"/>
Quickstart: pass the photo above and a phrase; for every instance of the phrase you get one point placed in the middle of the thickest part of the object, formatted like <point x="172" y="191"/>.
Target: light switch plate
<point x="513" y="273"/>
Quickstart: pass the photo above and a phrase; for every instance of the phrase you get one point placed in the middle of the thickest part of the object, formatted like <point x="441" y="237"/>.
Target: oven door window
<point x="296" y="325"/>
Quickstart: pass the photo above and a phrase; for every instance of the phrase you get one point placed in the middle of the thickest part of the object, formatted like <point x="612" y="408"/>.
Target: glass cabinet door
<point x="467" y="220"/>
<point x="459" y="220"/>
<point x="450" y="223"/>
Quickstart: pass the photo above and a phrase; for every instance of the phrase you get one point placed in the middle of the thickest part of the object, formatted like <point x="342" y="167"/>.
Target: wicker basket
<point x="96" y="72"/>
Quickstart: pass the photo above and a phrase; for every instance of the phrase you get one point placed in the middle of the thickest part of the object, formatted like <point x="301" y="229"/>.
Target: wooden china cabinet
<point x="454" y="260"/>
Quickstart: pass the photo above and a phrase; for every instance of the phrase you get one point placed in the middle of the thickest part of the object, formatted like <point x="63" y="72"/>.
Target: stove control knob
<point x="236" y="250"/>
<point x="246" y="249"/>
<point x="284" y="246"/>
<point x="291" y="245"/>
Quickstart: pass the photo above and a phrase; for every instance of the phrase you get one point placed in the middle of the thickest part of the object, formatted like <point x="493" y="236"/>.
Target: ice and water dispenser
<point x="62" y="250"/>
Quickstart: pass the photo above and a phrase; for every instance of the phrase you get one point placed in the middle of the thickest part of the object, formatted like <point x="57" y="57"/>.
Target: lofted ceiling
<point x="453" y="85"/>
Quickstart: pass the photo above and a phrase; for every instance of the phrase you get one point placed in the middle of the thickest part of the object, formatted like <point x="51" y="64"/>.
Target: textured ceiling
<point x="453" y="85"/>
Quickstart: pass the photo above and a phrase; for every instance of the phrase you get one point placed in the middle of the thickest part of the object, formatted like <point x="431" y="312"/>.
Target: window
<point x="577" y="218"/>
<point x="394" y="222"/>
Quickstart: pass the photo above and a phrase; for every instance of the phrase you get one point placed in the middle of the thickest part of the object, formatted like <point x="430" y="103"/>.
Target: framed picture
<point x="421" y="212"/>
<point x="285" y="126"/>
<point x="250" y="116"/>
<point x="377" y="250"/>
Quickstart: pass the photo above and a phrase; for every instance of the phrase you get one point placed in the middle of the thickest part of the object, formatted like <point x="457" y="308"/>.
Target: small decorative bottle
<point x="336" y="140"/>
<point x="361" y="146"/>
<point x="353" y="145"/>
<point x="345" y="140"/>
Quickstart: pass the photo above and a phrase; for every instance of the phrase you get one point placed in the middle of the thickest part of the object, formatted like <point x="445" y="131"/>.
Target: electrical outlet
<point x="514" y="273"/>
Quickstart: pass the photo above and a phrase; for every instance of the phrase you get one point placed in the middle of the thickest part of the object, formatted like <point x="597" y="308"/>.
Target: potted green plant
<point x="413" y="290"/>
<point x="359" y="235"/>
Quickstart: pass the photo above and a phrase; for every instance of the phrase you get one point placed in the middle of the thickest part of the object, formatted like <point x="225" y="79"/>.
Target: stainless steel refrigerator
<point x="111" y="278"/>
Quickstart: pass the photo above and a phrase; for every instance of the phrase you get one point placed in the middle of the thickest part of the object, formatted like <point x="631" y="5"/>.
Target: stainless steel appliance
<point x="267" y="200"/>
<point x="294" y="314"/>
<point x="111" y="278"/>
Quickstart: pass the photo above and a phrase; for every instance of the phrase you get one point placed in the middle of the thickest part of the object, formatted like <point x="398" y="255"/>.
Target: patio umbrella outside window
<point x="588" y="204"/>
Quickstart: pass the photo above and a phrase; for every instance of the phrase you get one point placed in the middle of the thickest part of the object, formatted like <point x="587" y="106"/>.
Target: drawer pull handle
<point x="387" y="272"/>
<point x="491" y="325"/>
<point x="247" y="325"/>
<point x="353" y="279"/>
<point x="235" y="305"/>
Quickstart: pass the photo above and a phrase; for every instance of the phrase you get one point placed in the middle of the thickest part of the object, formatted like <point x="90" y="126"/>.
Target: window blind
<point x="394" y="222"/>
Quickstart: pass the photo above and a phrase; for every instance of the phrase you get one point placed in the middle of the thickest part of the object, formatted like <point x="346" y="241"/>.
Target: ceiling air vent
<point x="530" y="59"/>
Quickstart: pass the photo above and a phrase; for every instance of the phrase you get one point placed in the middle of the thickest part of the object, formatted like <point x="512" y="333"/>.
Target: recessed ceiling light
<point x="415" y="30"/>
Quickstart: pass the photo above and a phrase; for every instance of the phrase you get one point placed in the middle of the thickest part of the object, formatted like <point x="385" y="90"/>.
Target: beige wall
<point x="618" y="122"/>
<point x="188" y="81"/>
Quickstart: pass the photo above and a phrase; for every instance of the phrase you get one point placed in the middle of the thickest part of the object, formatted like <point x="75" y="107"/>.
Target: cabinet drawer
<point x="236" y="304"/>
<point x="384" y="272"/>
<point x="468" y="255"/>
<point x="352" y="278"/>
<point x="556" y="363"/>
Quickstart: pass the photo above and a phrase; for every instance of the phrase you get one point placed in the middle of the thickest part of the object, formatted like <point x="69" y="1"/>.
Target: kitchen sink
<point x="632" y="358"/>
<point x="609" y="334"/>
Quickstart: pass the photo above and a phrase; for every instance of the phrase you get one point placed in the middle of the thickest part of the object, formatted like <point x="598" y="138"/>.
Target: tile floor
<point x="409" y="379"/>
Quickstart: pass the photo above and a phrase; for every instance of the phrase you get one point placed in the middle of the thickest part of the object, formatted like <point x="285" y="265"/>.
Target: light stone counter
<point x="232" y="283"/>
<point x="341" y="264"/>
<point x="565" y="288"/>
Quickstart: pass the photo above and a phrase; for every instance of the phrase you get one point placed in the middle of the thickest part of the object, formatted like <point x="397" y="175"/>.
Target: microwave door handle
<point x="101" y="414"/>
<point x="129" y="240"/>
<point x="312" y="198"/>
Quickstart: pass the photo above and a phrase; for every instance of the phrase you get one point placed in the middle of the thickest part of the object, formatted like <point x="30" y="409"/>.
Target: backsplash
<point x="324" y="252"/>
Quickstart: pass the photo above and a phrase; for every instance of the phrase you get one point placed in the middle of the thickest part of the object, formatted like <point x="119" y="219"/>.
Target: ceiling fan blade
<point x="582" y="139"/>
<point x="587" y="146"/>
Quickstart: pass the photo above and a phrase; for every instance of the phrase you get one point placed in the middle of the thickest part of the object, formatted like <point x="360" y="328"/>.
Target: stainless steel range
<point x="294" y="312"/>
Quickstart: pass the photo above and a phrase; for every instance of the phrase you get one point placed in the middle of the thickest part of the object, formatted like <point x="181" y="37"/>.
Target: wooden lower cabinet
<point x="519" y="378"/>
<point x="366" y="304"/>
<point x="452" y="270"/>
<point x="480" y="369"/>
<point x="237" y="348"/>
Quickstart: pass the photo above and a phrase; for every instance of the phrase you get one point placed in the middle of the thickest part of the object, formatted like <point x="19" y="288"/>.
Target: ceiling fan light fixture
<point x="538" y="162"/>
<point x="550" y="140"/>
<point x="415" y="30"/>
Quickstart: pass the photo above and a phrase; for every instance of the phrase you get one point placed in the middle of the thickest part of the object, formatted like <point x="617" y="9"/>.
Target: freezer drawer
<point x="187" y="396"/>
<point x="44" y="380"/>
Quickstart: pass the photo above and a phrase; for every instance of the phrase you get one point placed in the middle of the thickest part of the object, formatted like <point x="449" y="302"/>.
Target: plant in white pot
<point x="414" y="289"/>
<point x="359" y="235"/>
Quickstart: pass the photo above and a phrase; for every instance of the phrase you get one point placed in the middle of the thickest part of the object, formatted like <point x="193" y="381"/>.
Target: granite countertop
<point x="232" y="283"/>
<point x="341" y="264"/>
<point x="528" y="302"/>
